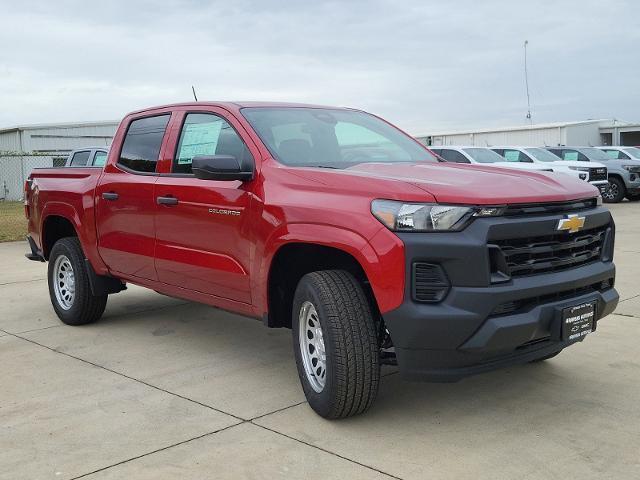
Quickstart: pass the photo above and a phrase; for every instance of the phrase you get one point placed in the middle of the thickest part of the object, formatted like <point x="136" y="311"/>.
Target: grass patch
<point x="13" y="224"/>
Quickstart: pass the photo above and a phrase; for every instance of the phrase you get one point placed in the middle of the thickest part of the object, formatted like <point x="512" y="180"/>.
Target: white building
<point x="26" y="147"/>
<point x="584" y="133"/>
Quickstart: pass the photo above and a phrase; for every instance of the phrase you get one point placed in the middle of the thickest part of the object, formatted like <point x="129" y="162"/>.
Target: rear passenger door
<point x="125" y="199"/>
<point x="203" y="227"/>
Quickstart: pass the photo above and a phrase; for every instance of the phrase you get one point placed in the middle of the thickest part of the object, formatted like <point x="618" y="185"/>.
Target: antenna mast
<point x="526" y="82"/>
<point x="194" y="93"/>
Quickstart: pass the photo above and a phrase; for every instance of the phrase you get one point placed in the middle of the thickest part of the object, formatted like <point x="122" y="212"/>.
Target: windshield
<point x="331" y="138"/>
<point x="633" y="151"/>
<point x="542" y="154"/>
<point x="595" y="154"/>
<point x="484" y="155"/>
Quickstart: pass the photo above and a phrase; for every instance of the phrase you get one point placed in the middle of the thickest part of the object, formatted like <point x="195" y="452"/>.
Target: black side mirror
<point x="219" y="167"/>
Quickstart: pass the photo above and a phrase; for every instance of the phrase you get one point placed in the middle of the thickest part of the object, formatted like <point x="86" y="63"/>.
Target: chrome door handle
<point x="167" y="200"/>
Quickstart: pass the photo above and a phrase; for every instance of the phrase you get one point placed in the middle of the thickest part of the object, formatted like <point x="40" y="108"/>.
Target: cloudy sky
<point x="424" y="65"/>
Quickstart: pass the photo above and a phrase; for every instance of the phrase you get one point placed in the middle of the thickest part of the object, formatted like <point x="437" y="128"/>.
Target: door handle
<point x="167" y="200"/>
<point x="110" y="196"/>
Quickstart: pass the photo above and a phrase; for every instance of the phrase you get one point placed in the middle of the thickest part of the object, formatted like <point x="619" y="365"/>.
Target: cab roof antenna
<point x="194" y="93"/>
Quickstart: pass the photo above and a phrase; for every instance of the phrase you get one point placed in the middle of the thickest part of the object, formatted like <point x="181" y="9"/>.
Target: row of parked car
<point x="615" y="171"/>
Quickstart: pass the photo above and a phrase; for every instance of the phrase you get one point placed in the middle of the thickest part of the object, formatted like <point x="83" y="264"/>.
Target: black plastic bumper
<point x="462" y="335"/>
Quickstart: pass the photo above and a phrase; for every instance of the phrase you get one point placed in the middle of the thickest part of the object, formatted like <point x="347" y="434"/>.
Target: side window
<point x="499" y="151"/>
<point x="515" y="156"/>
<point x="454" y="156"/>
<point x="207" y="134"/>
<point x="79" y="159"/>
<point x="100" y="159"/>
<point x="141" y="146"/>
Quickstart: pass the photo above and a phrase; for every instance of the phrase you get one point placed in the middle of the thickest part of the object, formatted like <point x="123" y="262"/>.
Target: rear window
<point x="483" y="155"/>
<point x="141" y="146"/>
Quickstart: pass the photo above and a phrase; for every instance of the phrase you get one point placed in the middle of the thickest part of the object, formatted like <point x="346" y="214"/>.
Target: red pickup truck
<point x="337" y="225"/>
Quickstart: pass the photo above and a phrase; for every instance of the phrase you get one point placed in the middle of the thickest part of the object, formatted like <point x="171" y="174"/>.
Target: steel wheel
<point x="311" y="342"/>
<point x="65" y="282"/>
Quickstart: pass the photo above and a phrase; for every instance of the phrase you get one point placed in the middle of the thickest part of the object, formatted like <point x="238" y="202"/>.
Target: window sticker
<point x="512" y="155"/>
<point x="199" y="139"/>
<point x="572" y="156"/>
<point x="612" y="154"/>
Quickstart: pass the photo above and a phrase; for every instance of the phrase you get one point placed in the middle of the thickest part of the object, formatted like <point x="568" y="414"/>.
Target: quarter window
<point x="208" y="134"/>
<point x="142" y="143"/>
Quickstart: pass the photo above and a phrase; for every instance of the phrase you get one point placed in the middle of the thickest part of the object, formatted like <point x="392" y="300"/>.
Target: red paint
<point x="185" y="251"/>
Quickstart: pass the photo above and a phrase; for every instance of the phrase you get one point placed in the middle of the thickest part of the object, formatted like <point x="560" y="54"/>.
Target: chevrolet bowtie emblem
<point x="573" y="223"/>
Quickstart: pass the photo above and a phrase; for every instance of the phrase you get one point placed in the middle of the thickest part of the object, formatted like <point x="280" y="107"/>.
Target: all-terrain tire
<point x="350" y="343"/>
<point x="82" y="306"/>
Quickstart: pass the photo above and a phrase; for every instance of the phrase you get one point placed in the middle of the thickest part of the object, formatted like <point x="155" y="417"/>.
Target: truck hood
<point x="477" y="184"/>
<point x="574" y="163"/>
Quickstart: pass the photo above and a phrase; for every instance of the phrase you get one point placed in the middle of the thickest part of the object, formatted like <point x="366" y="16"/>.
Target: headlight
<point x="427" y="217"/>
<point x="632" y="168"/>
<point x="582" y="169"/>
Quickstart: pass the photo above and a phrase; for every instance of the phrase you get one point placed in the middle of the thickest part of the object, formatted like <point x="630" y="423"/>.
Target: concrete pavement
<point x="162" y="388"/>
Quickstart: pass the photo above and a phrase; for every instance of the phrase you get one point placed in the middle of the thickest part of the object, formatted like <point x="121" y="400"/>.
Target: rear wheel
<point x="335" y="344"/>
<point x="615" y="192"/>
<point x="69" y="287"/>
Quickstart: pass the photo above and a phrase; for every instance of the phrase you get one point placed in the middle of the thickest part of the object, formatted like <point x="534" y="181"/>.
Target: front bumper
<point x="463" y="335"/>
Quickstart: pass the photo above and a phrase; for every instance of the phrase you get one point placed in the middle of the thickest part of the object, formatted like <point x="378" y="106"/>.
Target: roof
<point x="59" y="125"/>
<point x="236" y="105"/>
<point x="535" y="126"/>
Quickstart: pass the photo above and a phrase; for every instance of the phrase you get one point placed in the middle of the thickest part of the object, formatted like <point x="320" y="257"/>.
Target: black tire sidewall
<point x="320" y="402"/>
<point x="83" y="298"/>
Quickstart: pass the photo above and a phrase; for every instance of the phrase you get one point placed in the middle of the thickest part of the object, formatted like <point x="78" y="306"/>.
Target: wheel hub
<point x="64" y="285"/>
<point x="312" y="349"/>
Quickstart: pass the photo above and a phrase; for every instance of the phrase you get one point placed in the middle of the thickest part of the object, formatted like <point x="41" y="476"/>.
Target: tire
<point x="615" y="192"/>
<point x="546" y="357"/>
<point x="71" y="298"/>
<point x="348" y="338"/>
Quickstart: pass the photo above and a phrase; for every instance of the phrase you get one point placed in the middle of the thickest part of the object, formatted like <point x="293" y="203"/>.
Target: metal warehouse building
<point x="23" y="148"/>
<point x="587" y="132"/>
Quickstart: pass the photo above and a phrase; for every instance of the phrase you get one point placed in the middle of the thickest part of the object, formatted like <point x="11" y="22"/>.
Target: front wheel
<point x="615" y="192"/>
<point x="69" y="286"/>
<point x="335" y="344"/>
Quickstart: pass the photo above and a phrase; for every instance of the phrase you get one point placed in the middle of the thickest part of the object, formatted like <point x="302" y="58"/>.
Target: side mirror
<point x="219" y="167"/>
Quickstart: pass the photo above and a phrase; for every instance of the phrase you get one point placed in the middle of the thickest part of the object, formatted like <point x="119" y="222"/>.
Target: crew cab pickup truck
<point x="337" y="225"/>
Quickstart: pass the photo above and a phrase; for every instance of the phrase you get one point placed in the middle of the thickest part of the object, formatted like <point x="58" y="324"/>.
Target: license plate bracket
<point x="578" y="321"/>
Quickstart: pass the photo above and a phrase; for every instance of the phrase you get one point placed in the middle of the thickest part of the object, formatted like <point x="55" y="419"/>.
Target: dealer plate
<point x="577" y="322"/>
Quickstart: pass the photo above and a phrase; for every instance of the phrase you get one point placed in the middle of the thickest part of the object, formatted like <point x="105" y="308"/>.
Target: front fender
<point x="381" y="258"/>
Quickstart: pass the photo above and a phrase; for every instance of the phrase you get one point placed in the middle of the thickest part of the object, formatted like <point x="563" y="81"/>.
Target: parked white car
<point x="485" y="156"/>
<point x="622" y="153"/>
<point x="595" y="173"/>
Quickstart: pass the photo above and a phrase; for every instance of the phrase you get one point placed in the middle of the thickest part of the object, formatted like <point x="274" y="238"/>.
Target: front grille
<point x="551" y="253"/>
<point x="597" y="174"/>
<point x="554" y="207"/>
<point x="430" y="284"/>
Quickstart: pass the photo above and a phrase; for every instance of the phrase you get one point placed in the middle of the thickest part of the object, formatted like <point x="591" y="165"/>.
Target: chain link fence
<point x="14" y="171"/>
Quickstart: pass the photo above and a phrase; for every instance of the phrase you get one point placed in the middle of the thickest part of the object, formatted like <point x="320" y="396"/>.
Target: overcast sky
<point x="426" y="66"/>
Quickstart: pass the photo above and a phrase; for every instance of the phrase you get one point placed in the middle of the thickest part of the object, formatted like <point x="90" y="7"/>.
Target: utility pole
<point x="526" y="82"/>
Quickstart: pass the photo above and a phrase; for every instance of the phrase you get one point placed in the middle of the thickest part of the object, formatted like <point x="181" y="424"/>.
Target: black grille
<point x="597" y="174"/>
<point x="430" y="284"/>
<point x="555" y="207"/>
<point x="551" y="253"/>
